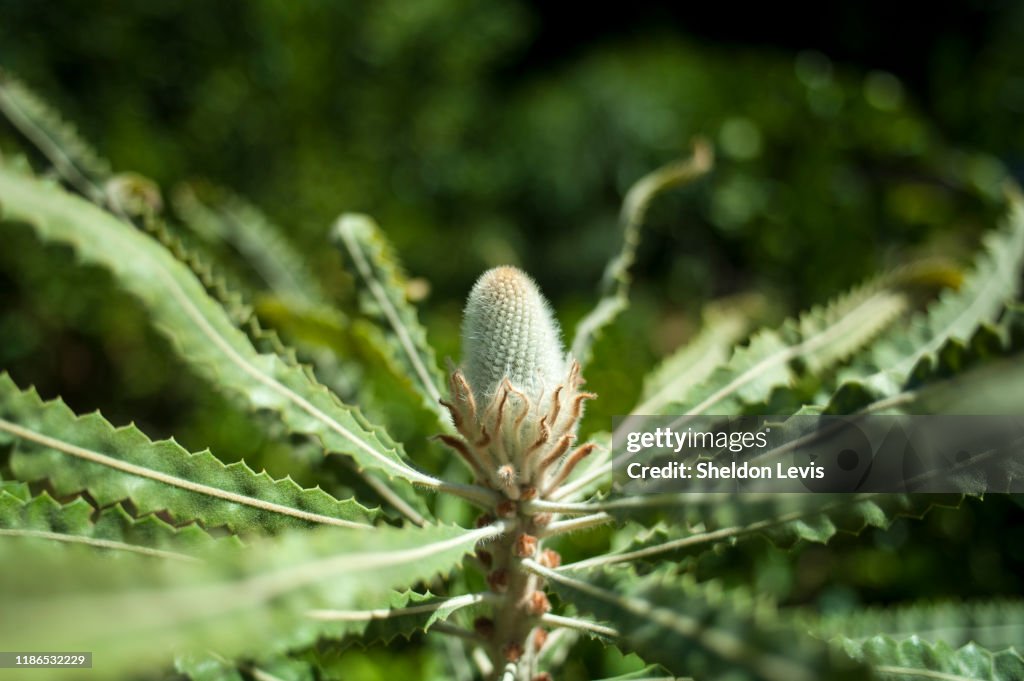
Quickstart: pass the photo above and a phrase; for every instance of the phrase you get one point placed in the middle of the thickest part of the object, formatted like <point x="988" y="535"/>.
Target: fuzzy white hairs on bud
<point x="508" y="330"/>
<point x="516" y="401"/>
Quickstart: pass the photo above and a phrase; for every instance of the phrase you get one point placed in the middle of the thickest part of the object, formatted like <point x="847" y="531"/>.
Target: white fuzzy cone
<point x="508" y="330"/>
<point x="516" y="400"/>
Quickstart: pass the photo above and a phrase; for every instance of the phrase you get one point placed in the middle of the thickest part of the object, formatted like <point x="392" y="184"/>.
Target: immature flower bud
<point x="550" y="559"/>
<point x="537" y="603"/>
<point x="508" y="330"/>
<point x="516" y="402"/>
<point x="526" y="545"/>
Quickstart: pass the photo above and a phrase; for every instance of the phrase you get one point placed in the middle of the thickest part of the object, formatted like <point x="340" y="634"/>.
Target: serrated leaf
<point x="114" y="464"/>
<point x="616" y="280"/>
<point x="219" y="215"/>
<point x="915" y="659"/>
<point x="966" y="380"/>
<point x="326" y="330"/>
<point x="652" y="673"/>
<point x="695" y="523"/>
<point x="958" y="383"/>
<point x="774" y="360"/>
<point x="771" y="361"/>
<point x="649" y="673"/>
<point x="924" y="391"/>
<point x="406" y="613"/>
<point x="91" y="175"/>
<point x="134" y="612"/>
<point x="203" y="334"/>
<point x="809" y="345"/>
<point x="17" y="489"/>
<point x="817" y="339"/>
<point x="993" y="625"/>
<point x="265" y="341"/>
<point x="894" y="358"/>
<point x="114" y="529"/>
<point x="979" y="375"/>
<point x="371" y="256"/>
<point x="696" y="630"/>
<point x="212" y="667"/>
<point x="351" y="356"/>
<point x="725" y="323"/>
<point x="57" y="139"/>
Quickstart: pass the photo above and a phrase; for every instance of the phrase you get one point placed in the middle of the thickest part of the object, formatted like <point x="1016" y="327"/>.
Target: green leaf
<point x="207" y="667"/>
<point x="218" y="215"/>
<point x="114" y="528"/>
<point x="693" y="523"/>
<point x="697" y="630"/>
<point x="994" y="625"/>
<point x="406" y="613"/>
<point x="615" y="283"/>
<point x="651" y="673"/>
<point x="134" y="612"/>
<point x="984" y="375"/>
<point x="265" y="341"/>
<point x="210" y="666"/>
<point x="912" y="659"/>
<point x="773" y="361"/>
<point x="369" y="253"/>
<point x="131" y="195"/>
<point x="979" y="375"/>
<point x="992" y="389"/>
<point x="725" y="323"/>
<point x="57" y="139"/>
<point x="763" y="368"/>
<point x="894" y="359"/>
<point x="818" y="339"/>
<point x="114" y="464"/>
<point x="298" y="307"/>
<point x="204" y="336"/>
<point x="965" y="378"/>
<point x="367" y="370"/>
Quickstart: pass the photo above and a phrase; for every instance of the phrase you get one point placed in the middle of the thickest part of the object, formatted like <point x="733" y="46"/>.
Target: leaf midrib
<point x="167" y="479"/>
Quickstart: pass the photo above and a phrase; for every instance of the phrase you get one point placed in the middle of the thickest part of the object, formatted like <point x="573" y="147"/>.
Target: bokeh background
<point x="849" y="136"/>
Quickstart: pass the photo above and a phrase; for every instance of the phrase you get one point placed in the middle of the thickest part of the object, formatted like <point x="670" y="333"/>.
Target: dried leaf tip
<point x="508" y="330"/>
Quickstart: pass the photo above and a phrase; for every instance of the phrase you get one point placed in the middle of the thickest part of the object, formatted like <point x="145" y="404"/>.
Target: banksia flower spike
<point x="508" y="331"/>
<point x="515" y="400"/>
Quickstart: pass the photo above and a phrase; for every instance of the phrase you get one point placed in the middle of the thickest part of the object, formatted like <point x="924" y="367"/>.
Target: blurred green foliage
<point x="422" y="115"/>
